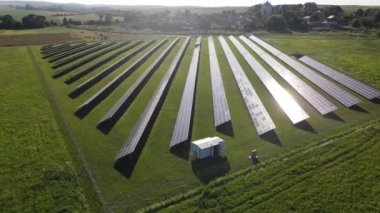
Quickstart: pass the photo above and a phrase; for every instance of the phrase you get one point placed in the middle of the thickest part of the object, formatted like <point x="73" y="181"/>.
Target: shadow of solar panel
<point x="62" y="50"/>
<point x="75" y="57"/>
<point x="256" y="109"/>
<point x="74" y="51"/>
<point x="96" y="78"/>
<point x="88" y="70"/>
<point x="330" y="88"/>
<point x="182" y="126"/>
<point x="351" y="83"/>
<point x="142" y="127"/>
<point x="128" y="97"/>
<point x="72" y="67"/>
<point x="220" y="105"/>
<point x="104" y="92"/>
<point x="286" y="102"/>
<point x="320" y="103"/>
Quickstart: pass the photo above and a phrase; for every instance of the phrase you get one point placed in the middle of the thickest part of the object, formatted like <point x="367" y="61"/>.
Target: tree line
<point x="279" y="18"/>
<point x="30" y="21"/>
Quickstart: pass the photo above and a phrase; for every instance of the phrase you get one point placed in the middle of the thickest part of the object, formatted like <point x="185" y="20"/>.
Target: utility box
<point x="207" y="147"/>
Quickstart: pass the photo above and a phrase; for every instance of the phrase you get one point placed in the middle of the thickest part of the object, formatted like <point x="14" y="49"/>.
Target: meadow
<point x="160" y="174"/>
<point x="38" y="172"/>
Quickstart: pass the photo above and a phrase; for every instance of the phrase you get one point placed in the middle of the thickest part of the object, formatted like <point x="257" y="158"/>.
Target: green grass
<point x="172" y="174"/>
<point x="339" y="173"/>
<point x="160" y="174"/>
<point x="37" y="172"/>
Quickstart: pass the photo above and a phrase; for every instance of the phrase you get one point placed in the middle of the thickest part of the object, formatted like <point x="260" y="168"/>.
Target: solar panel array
<point x="72" y="67"/>
<point x="182" y="125"/>
<point x="136" y="87"/>
<point x="72" y="51"/>
<point x="286" y="102"/>
<point x="257" y="111"/>
<point x="320" y="103"/>
<point x="355" y="85"/>
<point x="104" y="92"/>
<point x="96" y="78"/>
<point x="81" y="55"/>
<point x="152" y="107"/>
<point x="336" y="92"/>
<point x="61" y="50"/>
<point x="93" y="67"/>
<point x="221" y="110"/>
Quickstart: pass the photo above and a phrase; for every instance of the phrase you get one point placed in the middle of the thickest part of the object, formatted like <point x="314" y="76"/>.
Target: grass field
<point x="339" y="173"/>
<point x="159" y="174"/>
<point x="37" y="171"/>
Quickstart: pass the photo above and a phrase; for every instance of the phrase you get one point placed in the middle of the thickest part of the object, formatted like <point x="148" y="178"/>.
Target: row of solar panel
<point x="257" y="111"/>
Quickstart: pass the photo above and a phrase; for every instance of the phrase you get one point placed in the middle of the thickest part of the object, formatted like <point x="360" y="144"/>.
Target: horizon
<point x="201" y="3"/>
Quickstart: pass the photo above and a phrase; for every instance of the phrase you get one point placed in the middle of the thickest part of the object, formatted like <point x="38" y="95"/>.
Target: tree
<point x="276" y="23"/>
<point x="33" y="21"/>
<point x="310" y="8"/>
<point x="376" y="17"/>
<point x="295" y="23"/>
<point x="333" y="10"/>
<point x="8" y="22"/>
<point x="359" y="12"/>
<point x="356" y="23"/>
<point x="367" y="22"/>
<point x="108" y="19"/>
<point x="65" y="23"/>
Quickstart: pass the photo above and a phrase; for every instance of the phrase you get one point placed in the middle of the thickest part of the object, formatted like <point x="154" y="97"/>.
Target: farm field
<point x="160" y="174"/>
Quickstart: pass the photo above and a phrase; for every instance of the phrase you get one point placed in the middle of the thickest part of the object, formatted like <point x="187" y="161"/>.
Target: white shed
<point x="207" y="147"/>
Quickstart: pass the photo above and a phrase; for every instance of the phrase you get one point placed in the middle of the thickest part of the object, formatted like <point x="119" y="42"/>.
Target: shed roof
<point x="208" y="142"/>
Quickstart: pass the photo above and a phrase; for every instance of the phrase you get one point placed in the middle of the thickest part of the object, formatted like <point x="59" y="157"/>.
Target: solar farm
<point x="134" y="106"/>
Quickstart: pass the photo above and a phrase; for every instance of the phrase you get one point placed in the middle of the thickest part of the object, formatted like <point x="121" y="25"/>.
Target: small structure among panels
<point x="286" y="102"/>
<point x="256" y="109"/>
<point x="319" y="102"/>
<point x="207" y="147"/>
<point x="336" y="92"/>
<point x="355" y="85"/>
<point x="181" y="131"/>
<point x="221" y="110"/>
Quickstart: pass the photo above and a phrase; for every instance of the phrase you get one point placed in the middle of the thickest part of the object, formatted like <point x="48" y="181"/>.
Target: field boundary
<point x="223" y="180"/>
<point x="67" y="132"/>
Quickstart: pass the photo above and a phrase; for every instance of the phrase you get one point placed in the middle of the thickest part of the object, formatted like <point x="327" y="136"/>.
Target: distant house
<point x="266" y="9"/>
<point x="328" y="24"/>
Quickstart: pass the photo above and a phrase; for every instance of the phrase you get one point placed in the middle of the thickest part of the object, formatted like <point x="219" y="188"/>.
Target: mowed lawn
<point x="160" y="174"/>
<point x="37" y="173"/>
<point x="339" y="173"/>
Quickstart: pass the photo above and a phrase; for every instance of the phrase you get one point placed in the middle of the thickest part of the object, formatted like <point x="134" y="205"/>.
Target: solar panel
<point x="336" y="92"/>
<point x="75" y="57"/>
<point x="104" y="92"/>
<point x="98" y="77"/>
<point x="221" y="111"/>
<point x="73" y="51"/>
<point x="87" y="60"/>
<point x="286" y="102"/>
<point x="355" y="85"/>
<point x="319" y="102"/>
<point x="136" y="87"/>
<point x="62" y="50"/>
<point x="152" y="107"/>
<point x="256" y="109"/>
<point x="93" y="67"/>
<point x="181" y="131"/>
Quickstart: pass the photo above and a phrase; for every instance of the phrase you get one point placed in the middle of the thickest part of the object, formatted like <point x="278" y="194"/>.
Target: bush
<point x="355" y="23"/>
<point x="276" y="23"/>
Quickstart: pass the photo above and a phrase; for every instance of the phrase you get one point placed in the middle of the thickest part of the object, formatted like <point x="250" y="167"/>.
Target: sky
<point x="215" y="3"/>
